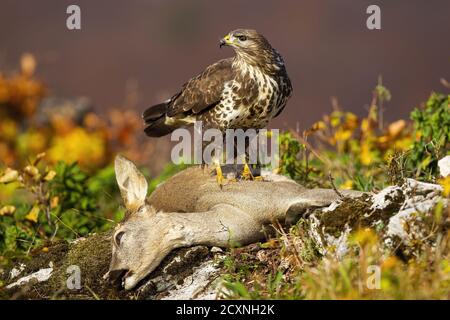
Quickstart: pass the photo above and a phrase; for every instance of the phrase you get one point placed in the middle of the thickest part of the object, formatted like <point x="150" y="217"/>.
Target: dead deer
<point x="191" y="209"/>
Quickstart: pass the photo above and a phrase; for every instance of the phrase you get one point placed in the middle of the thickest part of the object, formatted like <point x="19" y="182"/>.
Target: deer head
<point x="144" y="237"/>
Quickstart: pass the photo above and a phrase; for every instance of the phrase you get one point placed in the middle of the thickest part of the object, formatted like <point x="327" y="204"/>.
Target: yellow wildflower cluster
<point x="352" y="145"/>
<point x="362" y="138"/>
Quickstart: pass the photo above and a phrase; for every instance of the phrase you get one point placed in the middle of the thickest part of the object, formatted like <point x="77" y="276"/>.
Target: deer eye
<point x="118" y="237"/>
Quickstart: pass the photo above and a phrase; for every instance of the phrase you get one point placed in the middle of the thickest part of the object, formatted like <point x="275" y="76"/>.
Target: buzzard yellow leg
<point x="247" y="173"/>
<point x="219" y="175"/>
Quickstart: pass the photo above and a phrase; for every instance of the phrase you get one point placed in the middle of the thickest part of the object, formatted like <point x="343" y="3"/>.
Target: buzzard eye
<point x="242" y="38"/>
<point x="118" y="237"/>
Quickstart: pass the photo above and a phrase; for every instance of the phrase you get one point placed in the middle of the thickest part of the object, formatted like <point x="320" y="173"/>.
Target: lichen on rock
<point x="402" y="215"/>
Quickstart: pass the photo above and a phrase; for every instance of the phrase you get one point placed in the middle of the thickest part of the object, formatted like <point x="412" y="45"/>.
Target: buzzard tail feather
<point x="158" y="127"/>
<point x="155" y="112"/>
<point x="155" y="118"/>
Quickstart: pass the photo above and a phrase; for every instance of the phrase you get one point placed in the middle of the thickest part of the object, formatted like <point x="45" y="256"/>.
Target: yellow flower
<point x="348" y="185"/>
<point x="366" y="156"/>
<point x="319" y="125"/>
<point x="32" y="142"/>
<point x="8" y="129"/>
<point x="365" y="125"/>
<point x="403" y="144"/>
<point x="7" y="210"/>
<point x="351" y="121"/>
<point x="343" y="134"/>
<point x="89" y="149"/>
<point x="54" y="202"/>
<point x="9" y="175"/>
<point x="32" y="171"/>
<point x="445" y="183"/>
<point x="395" y="128"/>
<point x="418" y="135"/>
<point x="383" y="139"/>
<point x="33" y="215"/>
<point x="365" y="236"/>
<point x="389" y="263"/>
<point x="445" y="266"/>
<point x="50" y="175"/>
<point x="335" y="118"/>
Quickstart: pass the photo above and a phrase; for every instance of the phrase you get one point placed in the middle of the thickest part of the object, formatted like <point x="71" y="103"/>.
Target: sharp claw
<point x="219" y="174"/>
<point x="247" y="173"/>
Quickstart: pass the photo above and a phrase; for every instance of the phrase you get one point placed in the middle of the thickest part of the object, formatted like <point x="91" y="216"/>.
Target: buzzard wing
<point x="203" y="91"/>
<point x="286" y="91"/>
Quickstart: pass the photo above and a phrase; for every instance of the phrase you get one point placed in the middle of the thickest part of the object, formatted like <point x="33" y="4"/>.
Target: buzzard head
<point x="245" y="40"/>
<point x="251" y="47"/>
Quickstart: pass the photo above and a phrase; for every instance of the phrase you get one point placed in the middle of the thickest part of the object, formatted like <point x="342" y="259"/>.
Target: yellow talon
<point x="219" y="174"/>
<point x="246" y="173"/>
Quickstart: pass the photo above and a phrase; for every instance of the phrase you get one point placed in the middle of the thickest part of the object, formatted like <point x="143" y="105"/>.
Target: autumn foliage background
<point x="57" y="182"/>
<point x="56" y="177"/>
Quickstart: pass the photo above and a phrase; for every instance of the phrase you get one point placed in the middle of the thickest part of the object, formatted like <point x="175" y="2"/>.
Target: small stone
<point x="262" y="255"/>
<point x="444" y="166"/>
<point x="216" y="250"/>
<point x="230" y="176"/>
<point x="39" y="276"/>
<point x="16" y="271"/>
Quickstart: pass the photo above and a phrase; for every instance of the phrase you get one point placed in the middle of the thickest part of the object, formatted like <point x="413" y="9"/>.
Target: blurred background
<point x="71" y="100"/>
<point x="135" y="53"/>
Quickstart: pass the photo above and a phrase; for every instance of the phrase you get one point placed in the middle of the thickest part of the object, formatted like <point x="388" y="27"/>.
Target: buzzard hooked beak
<point x="225" y="41"/>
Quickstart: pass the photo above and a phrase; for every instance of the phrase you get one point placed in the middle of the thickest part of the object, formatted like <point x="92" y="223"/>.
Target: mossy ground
<point x="92" y="255"/>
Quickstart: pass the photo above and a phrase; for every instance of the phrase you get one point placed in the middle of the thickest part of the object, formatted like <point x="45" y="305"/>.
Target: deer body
<point x="190" y="208"/>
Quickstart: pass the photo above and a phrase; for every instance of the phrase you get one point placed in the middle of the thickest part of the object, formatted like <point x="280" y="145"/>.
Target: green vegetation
<point x="432" y="130"/>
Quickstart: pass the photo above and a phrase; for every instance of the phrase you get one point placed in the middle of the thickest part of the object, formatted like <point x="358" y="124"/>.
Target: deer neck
<point x="189" y="229"/>
<point x="222" y="227"/>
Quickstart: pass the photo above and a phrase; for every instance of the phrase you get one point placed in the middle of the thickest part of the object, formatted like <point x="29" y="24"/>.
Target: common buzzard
<point x="244" y="92"/>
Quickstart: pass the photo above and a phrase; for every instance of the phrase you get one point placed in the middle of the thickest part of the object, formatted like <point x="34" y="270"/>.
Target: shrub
<point x="54" y="203"/>
<point x="432" y="132"/>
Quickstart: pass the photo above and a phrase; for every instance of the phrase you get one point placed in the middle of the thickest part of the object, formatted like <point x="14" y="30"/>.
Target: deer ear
<point x="132" y="184"/>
